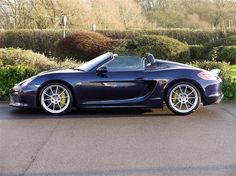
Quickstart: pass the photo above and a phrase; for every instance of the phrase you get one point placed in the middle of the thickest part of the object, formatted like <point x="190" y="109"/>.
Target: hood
<point x="53" y="71"/>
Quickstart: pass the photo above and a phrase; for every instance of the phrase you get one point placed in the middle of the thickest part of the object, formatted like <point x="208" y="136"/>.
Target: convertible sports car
<point x="112" y="81"/>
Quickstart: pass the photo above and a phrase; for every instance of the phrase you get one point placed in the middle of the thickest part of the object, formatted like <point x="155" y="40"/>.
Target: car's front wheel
<point x="183" y="98"/>
<point x="56" y="98"/>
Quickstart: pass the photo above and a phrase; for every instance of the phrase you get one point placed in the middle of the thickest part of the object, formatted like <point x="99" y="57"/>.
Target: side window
<point x="126" y="63"/>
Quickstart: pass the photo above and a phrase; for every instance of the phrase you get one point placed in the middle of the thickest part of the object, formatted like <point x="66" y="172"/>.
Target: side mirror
<point x="101" y="70"/>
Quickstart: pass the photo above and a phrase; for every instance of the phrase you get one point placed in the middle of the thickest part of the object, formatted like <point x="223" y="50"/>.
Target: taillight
<point x="206" y="75"/>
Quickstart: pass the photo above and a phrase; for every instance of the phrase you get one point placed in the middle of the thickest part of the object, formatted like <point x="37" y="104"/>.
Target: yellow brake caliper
<point x="175" y="96"/>
<point x="63" y="99"/>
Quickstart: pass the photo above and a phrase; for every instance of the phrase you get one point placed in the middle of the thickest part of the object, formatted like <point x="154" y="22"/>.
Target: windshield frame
<point x="95" y="63"/>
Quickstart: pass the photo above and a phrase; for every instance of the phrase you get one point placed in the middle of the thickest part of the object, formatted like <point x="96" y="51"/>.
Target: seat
<point x="150" y="58"/>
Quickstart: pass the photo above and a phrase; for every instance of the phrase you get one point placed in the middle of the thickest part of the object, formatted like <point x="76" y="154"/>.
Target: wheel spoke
<point x="62" y="92"/>
<point x="49" y="104"/>
<point x="176" y="93"/>
<point x="56" y="90"/>
<point x="190" y="92"/>
<point x="185" y="90"/>
<point x="176" y="103"/>
<point x="186" y="106"/>
<point x="190" y="103"/>
<point x="59" y="105"/>
<point x="47" y="94"/>
<point x="180" y="89"/>
<point x="51" y="90"/>
<point x="181" y="106"/>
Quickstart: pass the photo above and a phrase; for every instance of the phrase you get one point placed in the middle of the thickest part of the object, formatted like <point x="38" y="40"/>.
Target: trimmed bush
<point x="161" y="47"/>
<point x="197" y="52"/>
<point x="210" y="65"/>
<point x="10" y="75"/>
<point x="39" y="62"/>
<point x="83" y="45"/>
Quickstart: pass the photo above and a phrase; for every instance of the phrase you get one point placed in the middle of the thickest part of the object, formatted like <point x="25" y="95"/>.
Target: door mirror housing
<point x="101" y="70"/>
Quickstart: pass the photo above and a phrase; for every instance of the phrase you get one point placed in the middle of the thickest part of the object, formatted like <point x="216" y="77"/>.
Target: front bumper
<point x="16" y="99"/>
<point x="19" y="98"/>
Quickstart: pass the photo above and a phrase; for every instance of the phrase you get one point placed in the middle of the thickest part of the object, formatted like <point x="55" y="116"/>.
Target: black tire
<point x="183" y="98"/>
<point x="58" y="100"/>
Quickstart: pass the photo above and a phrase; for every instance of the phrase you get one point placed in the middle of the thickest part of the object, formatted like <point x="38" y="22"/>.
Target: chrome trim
<point x="157" y="98"/>
<point x="215" y="95"/>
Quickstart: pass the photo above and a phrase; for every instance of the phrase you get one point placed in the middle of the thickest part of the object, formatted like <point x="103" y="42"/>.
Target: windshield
<point x="94" y="62"/>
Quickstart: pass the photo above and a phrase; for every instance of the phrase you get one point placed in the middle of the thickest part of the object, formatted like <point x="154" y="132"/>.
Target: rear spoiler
<point x="215" y="72"/>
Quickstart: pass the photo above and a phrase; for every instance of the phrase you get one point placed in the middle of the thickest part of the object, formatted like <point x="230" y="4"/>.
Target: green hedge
<point x="224" y="53"/>
<point x="161" y="47"/>
<point x="229" y="89"/>
<point x="189" y="36"/>
<point x="10" y="75"/>
<point x="226" y="41"/>
<point x="197" y="52"/>
<point x="44" y="41"/>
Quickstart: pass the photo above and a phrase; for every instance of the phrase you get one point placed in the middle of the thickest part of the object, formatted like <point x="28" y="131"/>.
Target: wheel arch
<point x="195" y="83"/>
<point x="68" y="85"/>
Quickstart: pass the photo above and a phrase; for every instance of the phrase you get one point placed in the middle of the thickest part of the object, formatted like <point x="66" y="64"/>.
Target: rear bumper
<point x="213" y="93"/>
<point x="214" y="99"/>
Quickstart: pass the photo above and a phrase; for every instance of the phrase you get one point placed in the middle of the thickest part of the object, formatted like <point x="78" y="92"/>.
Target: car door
<point x="121" y="84"/>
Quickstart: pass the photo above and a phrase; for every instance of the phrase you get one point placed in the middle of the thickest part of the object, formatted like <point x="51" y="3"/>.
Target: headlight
<point x="24" y="82"/>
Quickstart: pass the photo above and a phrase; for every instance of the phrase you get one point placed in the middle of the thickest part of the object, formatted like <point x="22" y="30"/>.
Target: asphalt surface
<point x="114" y="143"/>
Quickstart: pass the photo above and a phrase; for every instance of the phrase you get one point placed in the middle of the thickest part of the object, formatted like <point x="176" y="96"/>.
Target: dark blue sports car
<point x="112" y="81"/>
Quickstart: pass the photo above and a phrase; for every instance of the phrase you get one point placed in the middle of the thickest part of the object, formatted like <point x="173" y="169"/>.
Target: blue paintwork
<point x="124" y="89"/>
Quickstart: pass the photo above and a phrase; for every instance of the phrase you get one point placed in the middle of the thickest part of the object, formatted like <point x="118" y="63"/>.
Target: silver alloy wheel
<point x="183" y="98"/>
<point x="55" y="99"/>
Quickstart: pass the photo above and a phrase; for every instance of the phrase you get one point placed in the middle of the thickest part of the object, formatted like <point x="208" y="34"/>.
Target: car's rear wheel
<point x="183" y="98"/>
<point x="56" y="98"/>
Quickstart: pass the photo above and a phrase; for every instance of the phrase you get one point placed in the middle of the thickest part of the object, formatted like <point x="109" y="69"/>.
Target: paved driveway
<point x="136" y="143"/>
